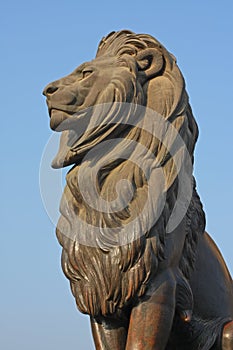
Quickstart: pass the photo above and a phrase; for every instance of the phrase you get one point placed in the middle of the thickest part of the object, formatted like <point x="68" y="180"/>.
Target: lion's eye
<point x="86" y="73"/>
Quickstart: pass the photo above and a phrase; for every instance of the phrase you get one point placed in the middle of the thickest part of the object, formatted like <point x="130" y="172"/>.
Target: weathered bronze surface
<point x="132" y="225"/>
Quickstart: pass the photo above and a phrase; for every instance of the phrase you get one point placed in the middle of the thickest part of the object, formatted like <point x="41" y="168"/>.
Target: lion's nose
<point x="50" y="89"/>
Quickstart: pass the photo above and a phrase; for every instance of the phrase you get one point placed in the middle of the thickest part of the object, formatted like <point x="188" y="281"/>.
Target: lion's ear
<point x="150" y="62"/>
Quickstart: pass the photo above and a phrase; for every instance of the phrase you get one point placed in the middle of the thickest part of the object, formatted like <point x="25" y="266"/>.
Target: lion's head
<point x="128" y="68"/>
<point x="108" y="99"/>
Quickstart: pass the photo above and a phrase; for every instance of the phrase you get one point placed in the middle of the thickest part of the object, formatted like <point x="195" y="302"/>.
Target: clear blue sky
<point x="44" y="40"/>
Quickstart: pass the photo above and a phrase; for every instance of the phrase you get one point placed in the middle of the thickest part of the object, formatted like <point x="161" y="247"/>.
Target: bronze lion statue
<point x="132" y="226"/>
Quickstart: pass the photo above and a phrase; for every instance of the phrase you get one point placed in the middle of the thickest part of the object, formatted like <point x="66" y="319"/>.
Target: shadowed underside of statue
<point x="132" y="226"/>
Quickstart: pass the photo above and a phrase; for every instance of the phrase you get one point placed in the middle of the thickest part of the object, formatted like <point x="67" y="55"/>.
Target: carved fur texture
<point x="136" y="70"/>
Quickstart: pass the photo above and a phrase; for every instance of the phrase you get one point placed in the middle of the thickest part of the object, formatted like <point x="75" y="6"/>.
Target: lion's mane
<point x="106" y="277"/>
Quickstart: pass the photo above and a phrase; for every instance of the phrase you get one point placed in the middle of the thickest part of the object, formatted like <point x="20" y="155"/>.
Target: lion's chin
<point x="58" y="120"/>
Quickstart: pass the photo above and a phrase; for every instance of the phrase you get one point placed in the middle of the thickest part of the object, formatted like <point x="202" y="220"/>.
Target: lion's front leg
<point x="109" y="333"/>
<point x="151" y="320"/>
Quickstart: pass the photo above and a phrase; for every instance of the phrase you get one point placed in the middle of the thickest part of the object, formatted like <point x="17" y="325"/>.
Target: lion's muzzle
<point x="62" y="105"/>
